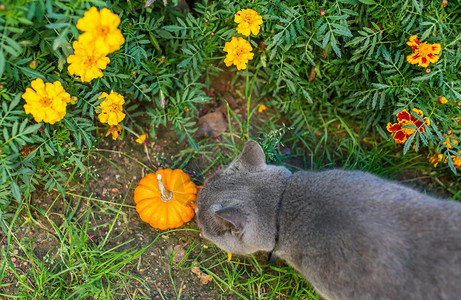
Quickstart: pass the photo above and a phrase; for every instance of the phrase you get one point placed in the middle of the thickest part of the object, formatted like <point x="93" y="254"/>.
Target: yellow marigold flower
<point x="449" y="142"/>
<point x="115" y="130"/>
<point x="141" y="138"/>
<point x="111" y="108"/>
<point x="46" y="102"/>
<point x="86" y="63"/>
<point x="238" y="52"/>
<point x="441" y="100"/>
<point x="262" y="108"/>
<point x="424" y="52"/>
<point x="100" y="30"/>
<point x="248" y="21"/>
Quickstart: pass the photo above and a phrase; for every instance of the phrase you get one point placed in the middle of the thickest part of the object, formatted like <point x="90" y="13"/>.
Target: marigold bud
<point x="2" y="6"/>
<point x="206" y="21"/>
<point x="33" y="64"/>
<point x="162" y="59"/>
<point x="458" y="103"/>
<point x="212" y="34"/>
<point x="133" y="73"/>
<point x="322" y="12"/>
<point x="444" y="3"/>
<point x="73" y="100"/>
<point x="427" y="71"/>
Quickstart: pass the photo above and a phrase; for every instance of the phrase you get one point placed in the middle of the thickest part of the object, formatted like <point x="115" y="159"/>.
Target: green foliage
<point x="345" y="58"/>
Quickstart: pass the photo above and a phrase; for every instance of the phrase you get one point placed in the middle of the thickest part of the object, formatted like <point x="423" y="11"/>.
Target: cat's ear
<point x="234" y="217"/>
<point x="252" y="157"/>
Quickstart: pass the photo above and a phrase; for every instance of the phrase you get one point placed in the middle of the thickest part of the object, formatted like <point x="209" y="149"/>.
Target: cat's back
<point x="358" y="234"/>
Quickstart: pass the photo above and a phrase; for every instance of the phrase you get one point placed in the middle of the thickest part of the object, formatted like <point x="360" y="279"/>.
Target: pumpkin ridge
<point x="164" y="221"/>
<point x="182" y="213"/>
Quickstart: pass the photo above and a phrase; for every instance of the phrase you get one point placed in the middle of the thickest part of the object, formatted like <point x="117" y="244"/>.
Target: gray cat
<point x="351" y="234"/>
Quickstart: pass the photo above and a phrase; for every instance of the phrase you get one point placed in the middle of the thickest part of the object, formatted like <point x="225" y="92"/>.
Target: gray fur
<point x="351" y="234"/>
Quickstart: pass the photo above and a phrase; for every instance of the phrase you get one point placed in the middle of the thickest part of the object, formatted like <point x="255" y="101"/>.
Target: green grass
<point x="242" y="277"/>
<point x="76" y="265"/>
<point x="246" y="278"/>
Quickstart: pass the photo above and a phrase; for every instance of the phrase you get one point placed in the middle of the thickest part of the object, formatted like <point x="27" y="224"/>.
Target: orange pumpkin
<point x="166" y="199"/>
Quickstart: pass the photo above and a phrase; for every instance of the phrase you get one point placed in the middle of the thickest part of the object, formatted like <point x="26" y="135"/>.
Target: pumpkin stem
<point x="165" y="194"/>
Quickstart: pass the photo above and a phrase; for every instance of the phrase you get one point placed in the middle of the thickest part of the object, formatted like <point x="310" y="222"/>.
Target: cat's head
<point x="237" y="207"/>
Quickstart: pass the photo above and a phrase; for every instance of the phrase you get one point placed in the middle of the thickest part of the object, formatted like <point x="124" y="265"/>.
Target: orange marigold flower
<point x="449" y="142"/>
<point x="400" y="130"/>
<point x="248" y="21"/>
<point x="456" y="160"/>
<point x="424" y="52"/>
<point x="435" y="159"/>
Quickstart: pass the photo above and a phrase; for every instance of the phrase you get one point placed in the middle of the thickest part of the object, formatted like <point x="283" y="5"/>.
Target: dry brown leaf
<point x="178" y="252"/>
<point x="204" y="278"/>
<point x="311" y="74"/>
<point x="230" y="100"/>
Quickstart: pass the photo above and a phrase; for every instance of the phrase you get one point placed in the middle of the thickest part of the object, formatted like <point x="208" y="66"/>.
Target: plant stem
<point x="248" y="97"/>
<point x="165" y="194"/>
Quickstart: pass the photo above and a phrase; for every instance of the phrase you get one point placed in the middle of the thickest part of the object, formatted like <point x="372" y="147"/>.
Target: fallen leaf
<point x="212" y="124"/>
<point x="262" y="46"/>
<point x="178" y="253"/>
<point x="204" y="278"/>
<point x="311" y="74"/>
<point x="230" y="100"/>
